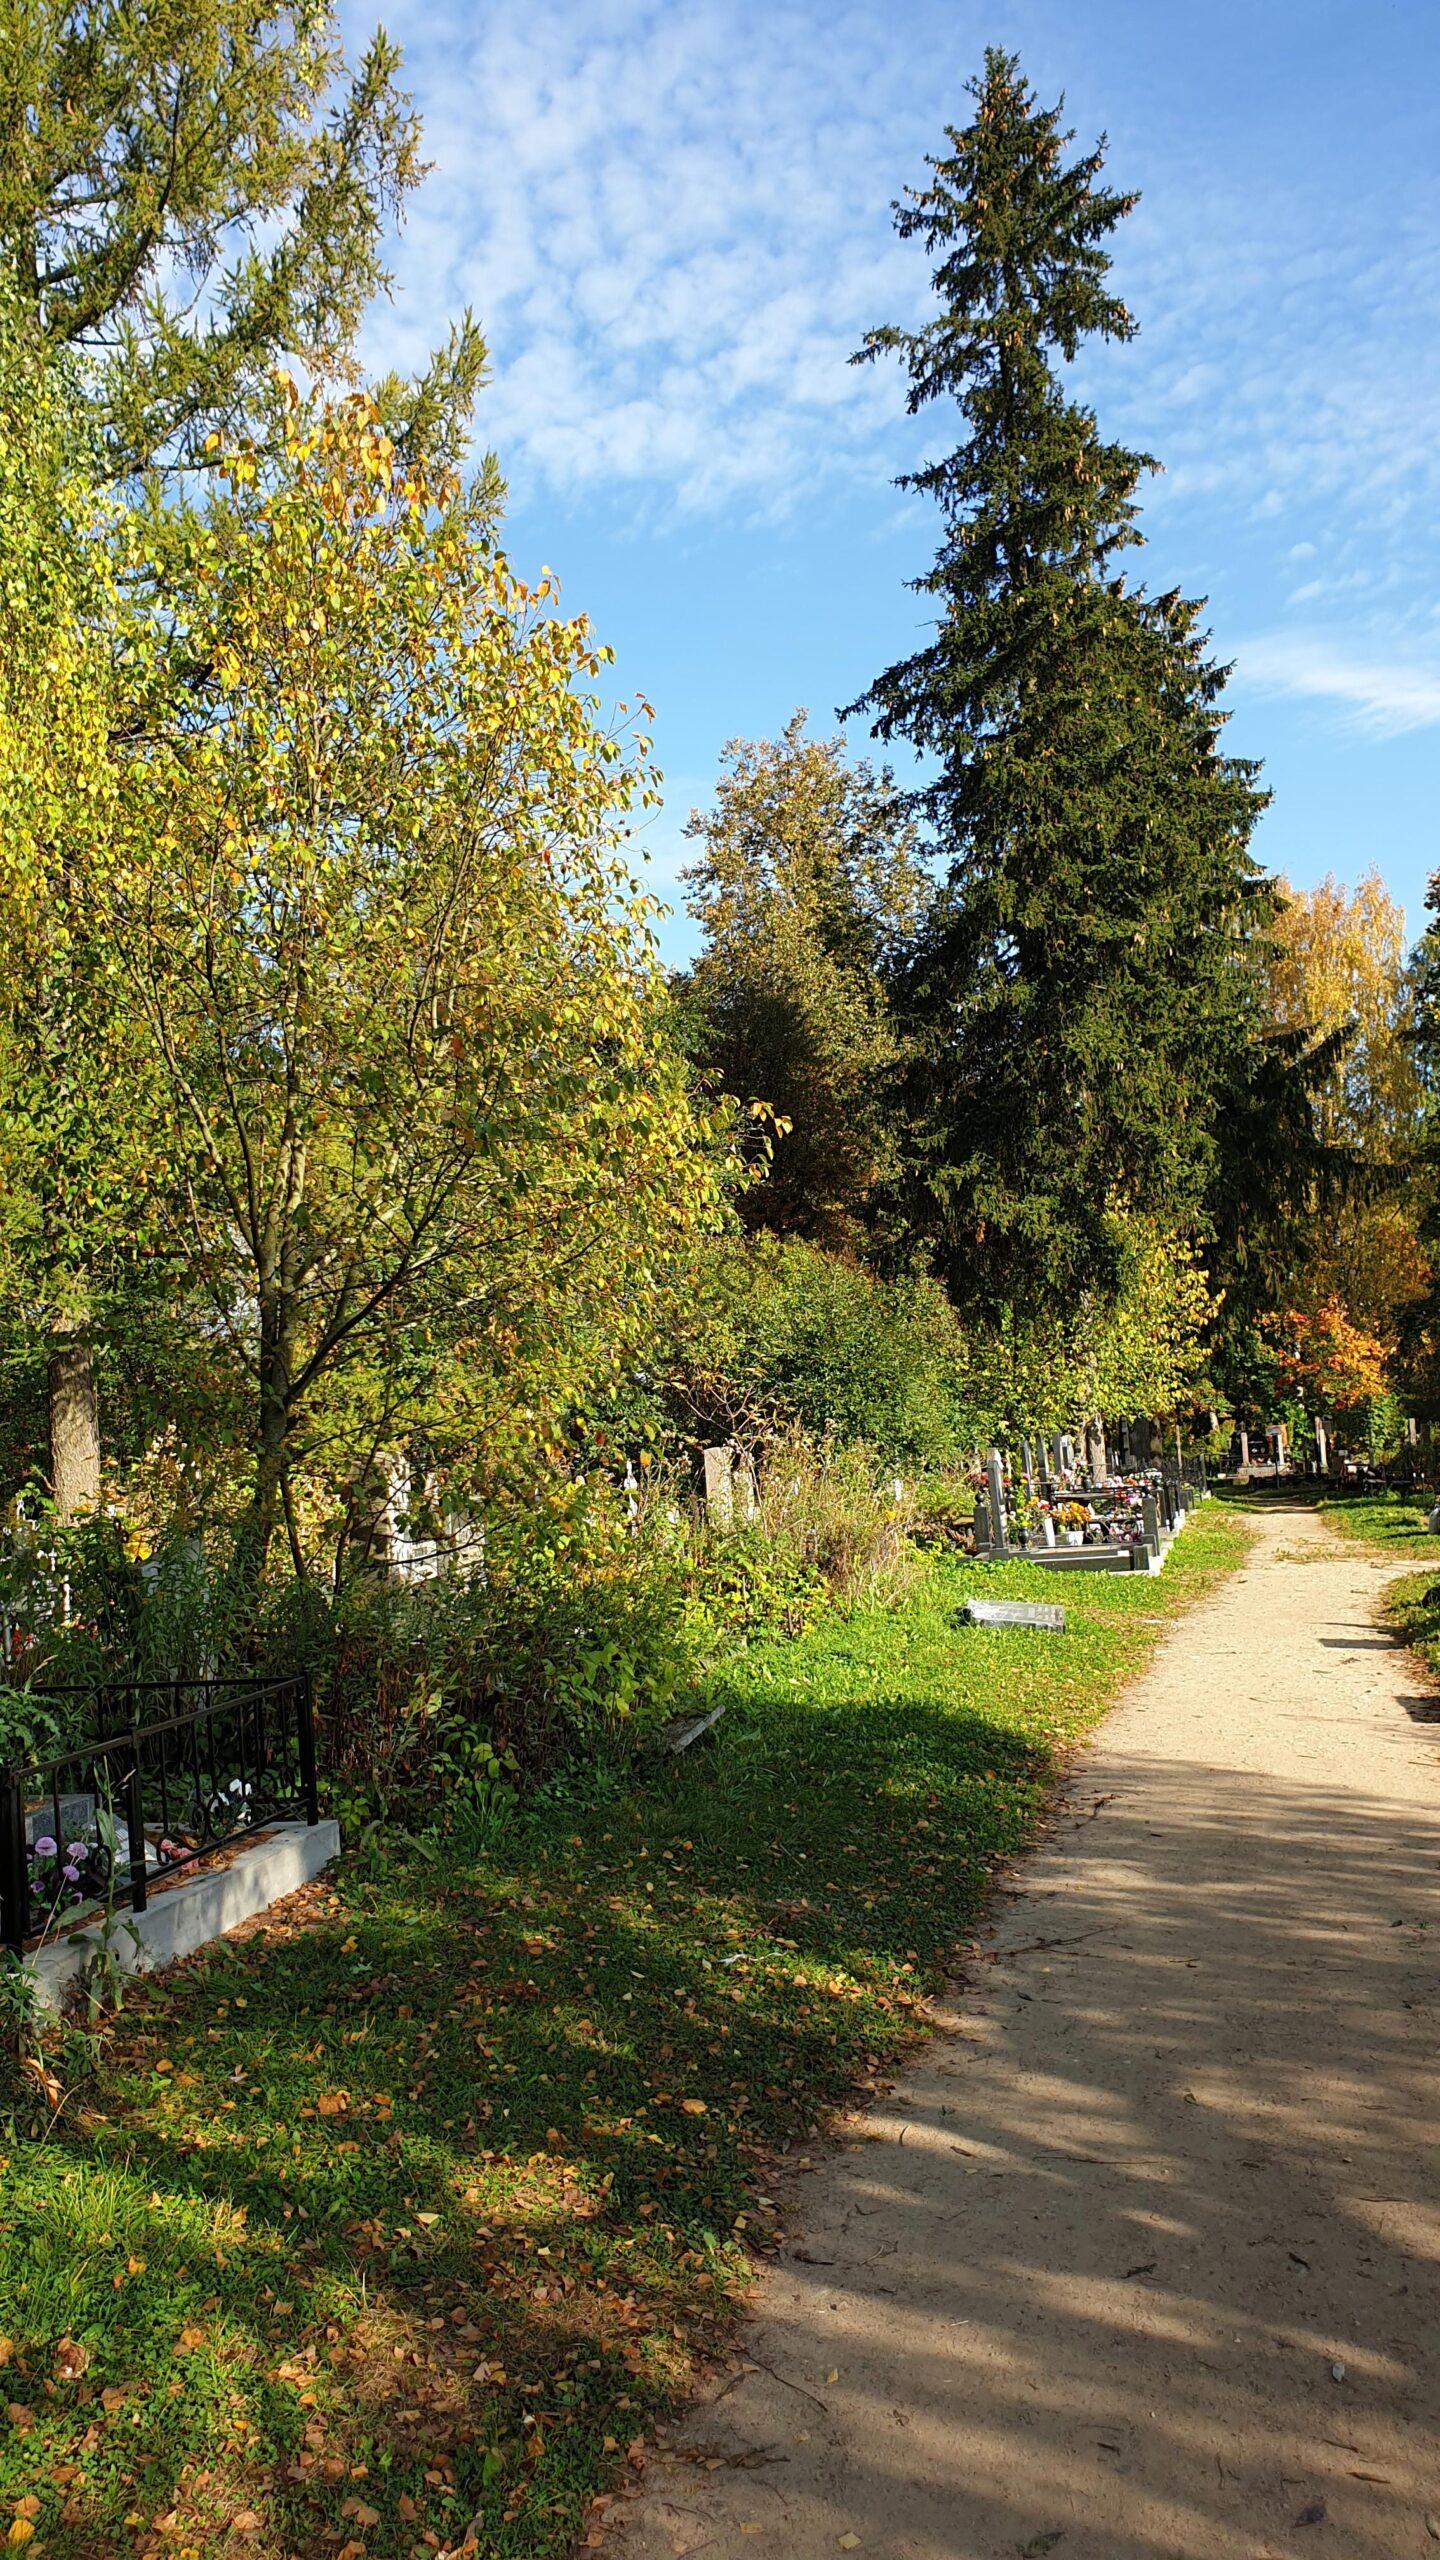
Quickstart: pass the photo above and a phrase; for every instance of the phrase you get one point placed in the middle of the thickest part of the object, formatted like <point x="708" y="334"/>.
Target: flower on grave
<point x="45" y="1847"/>
<point x="77" y="1848"/>
<point x="72" y="1875"/>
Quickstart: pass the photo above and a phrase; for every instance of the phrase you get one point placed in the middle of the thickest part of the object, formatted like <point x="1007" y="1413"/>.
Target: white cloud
<point x="1383" y="699"/>
<point x="673" y="230"/>
<point x="672" y="220"/>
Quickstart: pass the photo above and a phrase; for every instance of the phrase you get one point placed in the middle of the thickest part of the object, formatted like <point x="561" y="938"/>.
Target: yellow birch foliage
<point x="438" y="1153"/>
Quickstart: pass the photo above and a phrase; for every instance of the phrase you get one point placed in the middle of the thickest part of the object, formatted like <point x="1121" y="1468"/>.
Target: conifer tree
<point x="1082" y="975"/>
<point x="191" y="191"/>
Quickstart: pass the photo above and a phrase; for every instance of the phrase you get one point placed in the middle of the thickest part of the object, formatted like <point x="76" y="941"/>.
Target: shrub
<point x="783" y="1333"/>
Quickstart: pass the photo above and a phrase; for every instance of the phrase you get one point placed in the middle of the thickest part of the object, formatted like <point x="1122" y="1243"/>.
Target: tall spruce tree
<point x="1084" y="972"/>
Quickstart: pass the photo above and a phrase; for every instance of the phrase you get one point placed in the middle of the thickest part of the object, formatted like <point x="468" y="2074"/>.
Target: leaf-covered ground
<point x="409" y="2211"/>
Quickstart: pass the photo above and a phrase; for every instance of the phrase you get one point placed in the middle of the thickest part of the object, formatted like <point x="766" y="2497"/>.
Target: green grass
<point x="1413" y="1606"/>
<point x="417" y="2205"/>
<point x="1393" y="1522"/>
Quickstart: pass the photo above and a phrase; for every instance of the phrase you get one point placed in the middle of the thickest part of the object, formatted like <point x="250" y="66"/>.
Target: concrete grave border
<point x="188" y="1915"/>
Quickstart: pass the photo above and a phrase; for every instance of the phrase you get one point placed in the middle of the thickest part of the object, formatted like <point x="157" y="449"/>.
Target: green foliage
<point x="808" y="883"/>
<point x="1082" y="979"/>
<point x="858" y="1358"/>
<point x="391" y="829"/>
<point x="189" y="194"/>
<point x="776" y="1332"/>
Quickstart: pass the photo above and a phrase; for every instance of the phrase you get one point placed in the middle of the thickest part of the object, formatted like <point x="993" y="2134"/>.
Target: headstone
<point x="982" y="1525"/>
<point x="1244" y="1446"/>
<point x="1016" y="1613"/>
<point x="1150" y="1517"/>
<point x="1322" y="1447"/>
<point x="1047" y="1530"/>
<point x="744" y="1492"/>
<point x="1027" y="1465"/>
<point x="995" y="1487"/>
<point x="681" y="1731"/>
<point x="719" y="1487"/>
<point x="1095" y="1460"/>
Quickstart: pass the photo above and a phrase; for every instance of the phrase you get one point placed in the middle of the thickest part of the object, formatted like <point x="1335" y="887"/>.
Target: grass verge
<point x="1413" y="1608"/>
<point x="1393" y="1523"/>
<point x="411" y="2210"/>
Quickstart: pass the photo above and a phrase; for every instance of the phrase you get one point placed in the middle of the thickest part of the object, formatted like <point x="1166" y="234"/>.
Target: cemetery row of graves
<point x="447" y="1356"/>
<point x="437" y="1336"/>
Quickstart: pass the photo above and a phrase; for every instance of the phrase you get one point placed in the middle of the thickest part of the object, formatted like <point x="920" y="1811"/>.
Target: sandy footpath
<point x="1140" y="2259"/>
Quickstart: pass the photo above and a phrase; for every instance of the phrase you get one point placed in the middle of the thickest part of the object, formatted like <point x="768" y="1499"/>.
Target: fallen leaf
<point x="71" y="2359"/>
<point x="693" y="2107"/>
<point x="246" y="2521"/>
<point x="22" y="2530"/>
<point x="188" y="2341"/>
<point x="21" y="2418"/>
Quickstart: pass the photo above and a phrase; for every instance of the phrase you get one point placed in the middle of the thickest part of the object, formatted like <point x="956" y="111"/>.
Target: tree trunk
<point x="74" y="1426"/>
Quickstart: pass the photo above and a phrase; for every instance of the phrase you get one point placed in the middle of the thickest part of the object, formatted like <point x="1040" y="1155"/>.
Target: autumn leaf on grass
<point x="71" y="2359"/>
<point x="693" y="2107"/>
<point x="188" y="2341"/>
<point x="332" y="2102"/>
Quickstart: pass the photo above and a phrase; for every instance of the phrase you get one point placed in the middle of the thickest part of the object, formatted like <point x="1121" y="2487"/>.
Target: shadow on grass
<point x="413" y="2204"/>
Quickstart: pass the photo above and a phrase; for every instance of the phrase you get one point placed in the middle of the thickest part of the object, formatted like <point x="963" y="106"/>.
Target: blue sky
<point x="673" y="225"/>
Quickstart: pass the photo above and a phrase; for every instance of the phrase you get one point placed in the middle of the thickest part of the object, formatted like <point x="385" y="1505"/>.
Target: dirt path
<point x="1140" y="2260"/>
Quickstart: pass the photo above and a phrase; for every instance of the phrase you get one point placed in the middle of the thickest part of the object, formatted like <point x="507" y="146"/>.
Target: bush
<point x="785" y="1334"/>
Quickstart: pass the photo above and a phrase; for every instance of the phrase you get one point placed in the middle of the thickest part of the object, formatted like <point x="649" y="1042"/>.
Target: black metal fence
<point x="168" y="1771"/>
